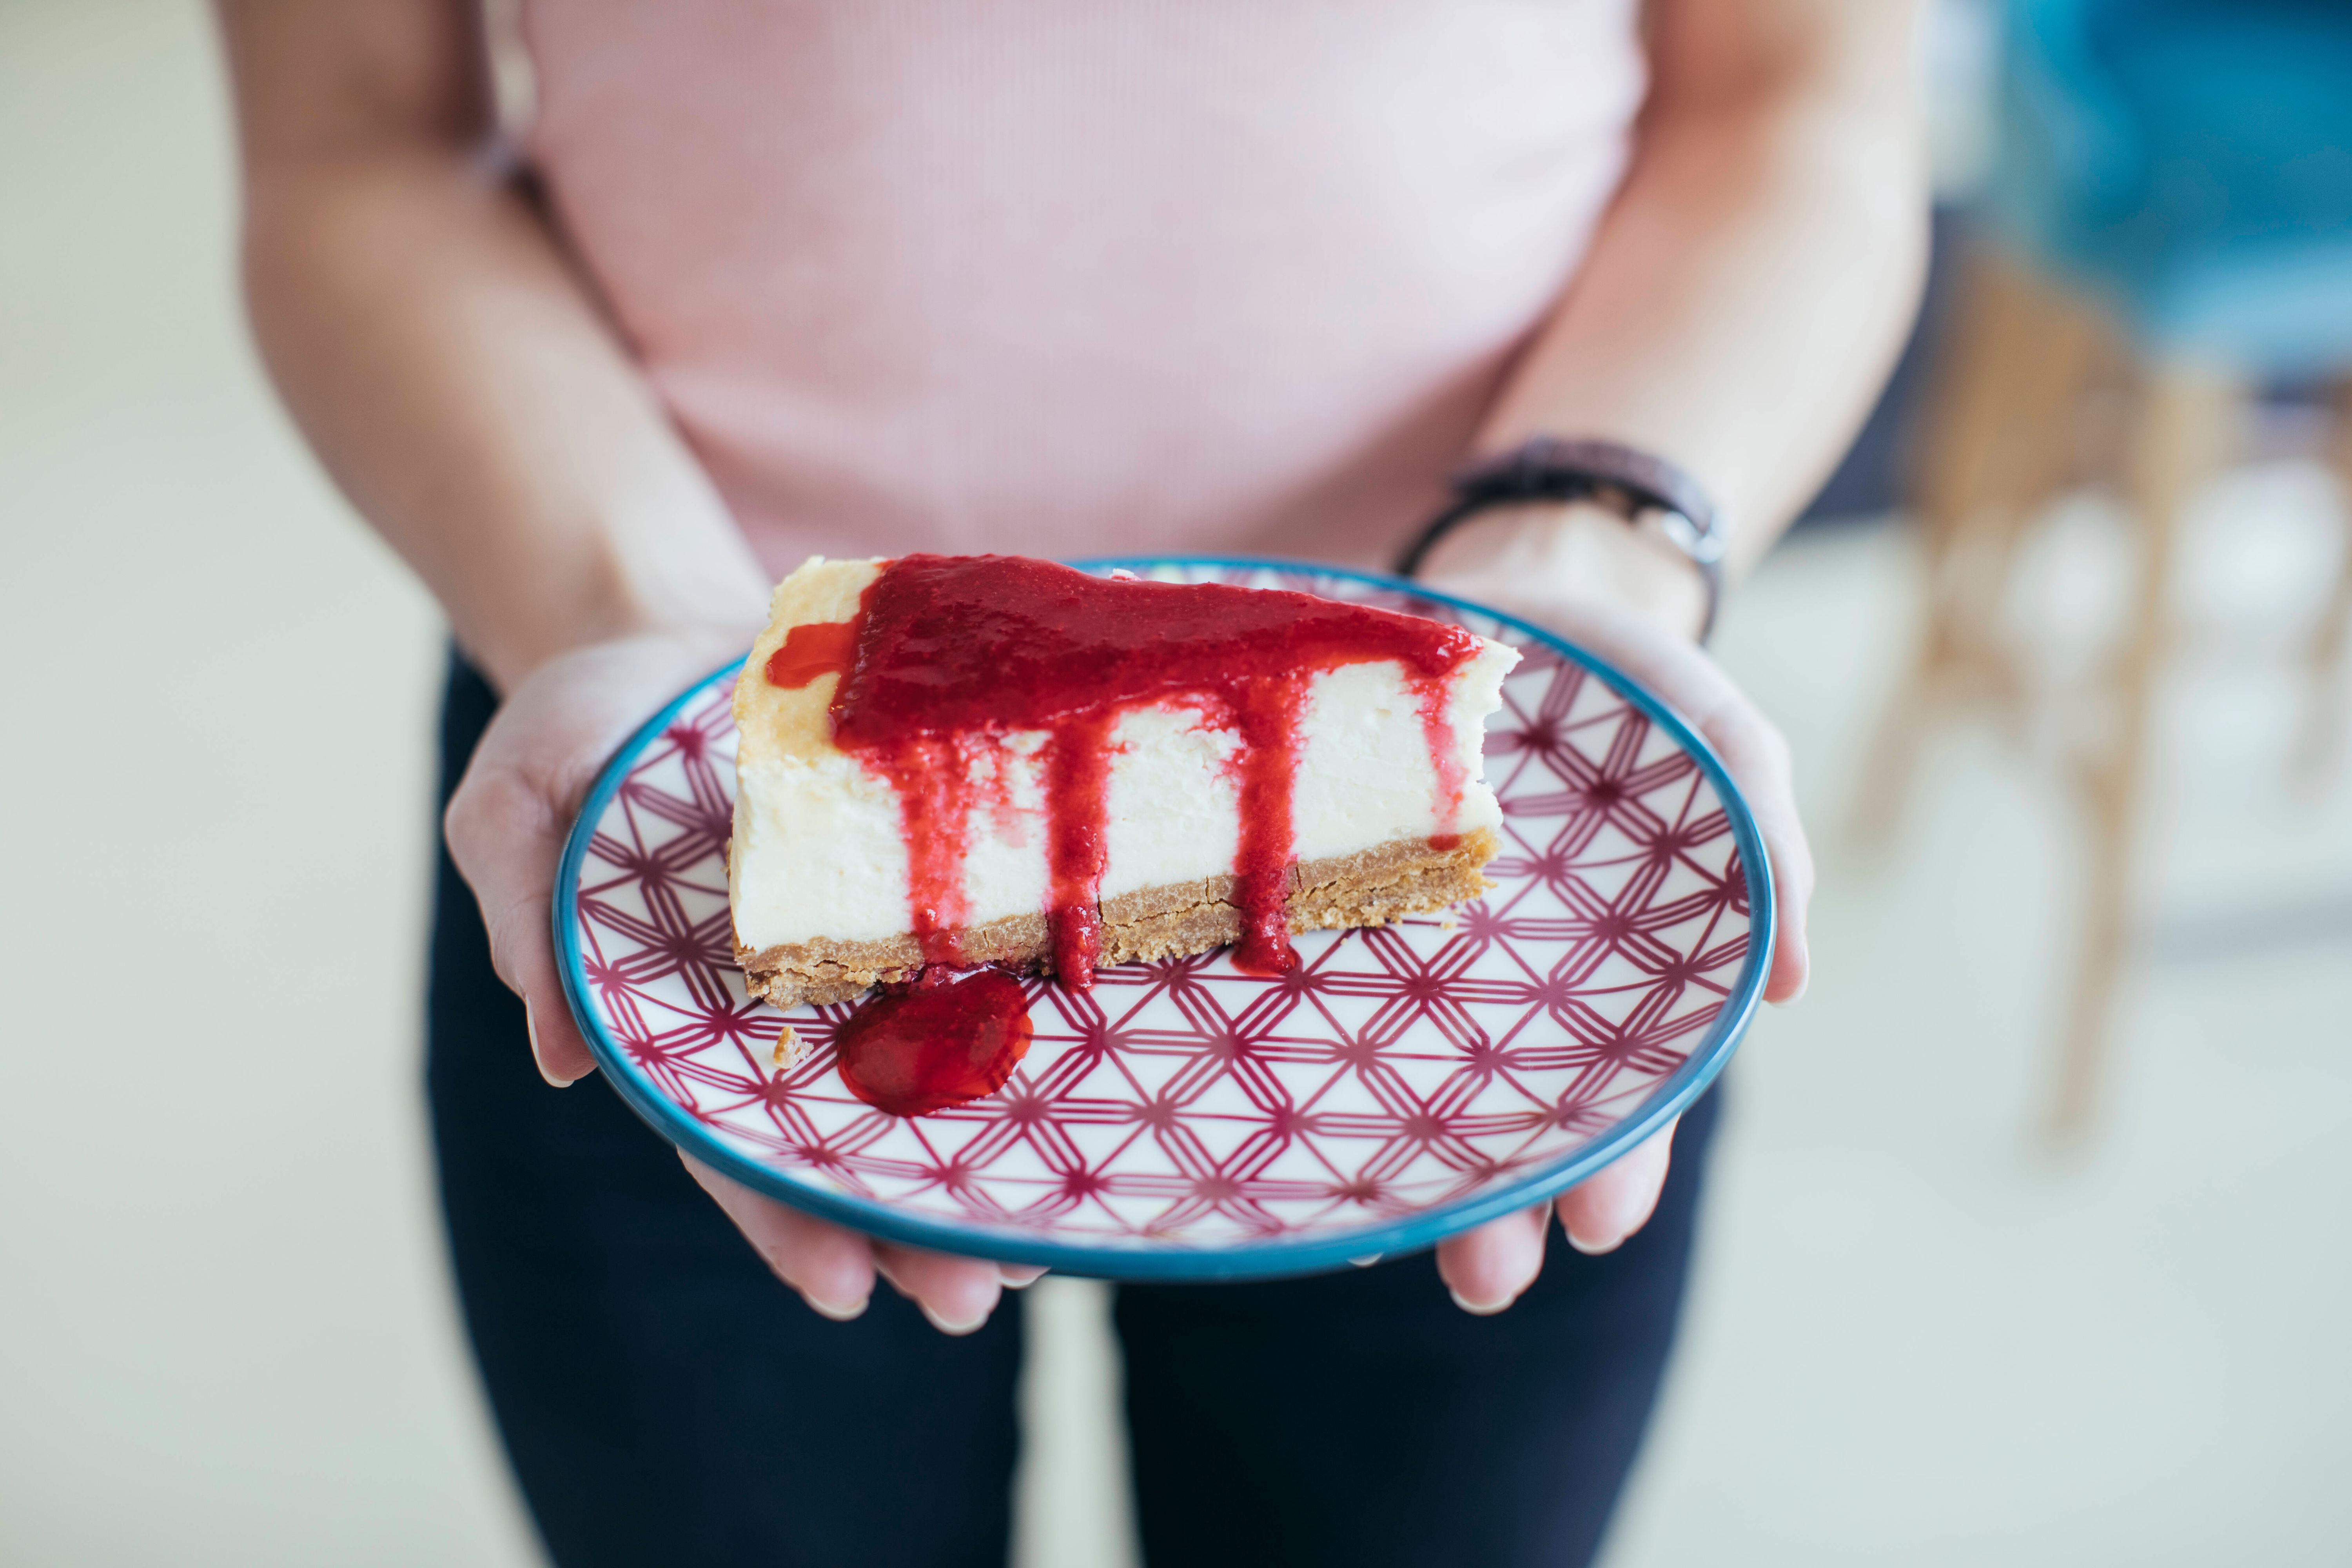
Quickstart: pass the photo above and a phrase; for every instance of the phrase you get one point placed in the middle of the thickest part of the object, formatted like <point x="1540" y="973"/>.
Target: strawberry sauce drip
<point x="1268" y="709"/>
<point x="1078" y="780"/>
<point x="943" y="1040"/>
<point x="817" y="647"/>
<point x="950" y="655"/>
<point x="954" y="653"/>
<point x="1437" y="729"/>
<point x="936" y="792"/>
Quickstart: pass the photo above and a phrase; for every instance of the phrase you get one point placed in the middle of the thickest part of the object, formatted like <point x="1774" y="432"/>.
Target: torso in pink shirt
<point x="1071" y="277"/>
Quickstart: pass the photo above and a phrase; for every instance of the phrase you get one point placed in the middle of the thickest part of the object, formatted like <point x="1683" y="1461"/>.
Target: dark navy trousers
<point x="664" y="1400"/>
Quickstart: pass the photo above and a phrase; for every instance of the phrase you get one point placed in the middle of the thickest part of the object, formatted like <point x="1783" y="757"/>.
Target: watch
<point x="1639" y="483"/>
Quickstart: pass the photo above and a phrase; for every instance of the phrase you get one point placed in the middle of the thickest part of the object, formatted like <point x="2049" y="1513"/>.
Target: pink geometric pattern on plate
<point x="1181" y="1103"/>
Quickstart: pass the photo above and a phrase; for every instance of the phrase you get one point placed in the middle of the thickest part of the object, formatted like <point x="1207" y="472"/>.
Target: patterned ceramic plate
<point x="1182" y="1120"/>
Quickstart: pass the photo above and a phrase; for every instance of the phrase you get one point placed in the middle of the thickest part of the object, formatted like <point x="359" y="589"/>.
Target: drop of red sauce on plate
<point x="943" y="1039"/>
<point x="948" y="655"/>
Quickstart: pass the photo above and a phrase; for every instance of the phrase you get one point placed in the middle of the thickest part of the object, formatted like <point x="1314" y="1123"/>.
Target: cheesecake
<point x="966" y="761"/>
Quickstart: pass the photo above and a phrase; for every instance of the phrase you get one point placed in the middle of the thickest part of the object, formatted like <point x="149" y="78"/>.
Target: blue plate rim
<point x="1169" y="1260"/>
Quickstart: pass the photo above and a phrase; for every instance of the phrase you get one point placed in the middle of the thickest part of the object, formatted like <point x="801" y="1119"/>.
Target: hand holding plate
<point x="505" y="826"/>
<point x="1488" y="1267"/>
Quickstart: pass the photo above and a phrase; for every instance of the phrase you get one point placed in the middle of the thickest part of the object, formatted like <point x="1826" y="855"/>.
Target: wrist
<point x="719" y="615"/>
<point x="1569" y="551"/>
<point x="507" y="663"/>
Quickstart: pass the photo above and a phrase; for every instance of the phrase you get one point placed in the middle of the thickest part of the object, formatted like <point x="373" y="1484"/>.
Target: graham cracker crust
<point x="1371" y="886"/>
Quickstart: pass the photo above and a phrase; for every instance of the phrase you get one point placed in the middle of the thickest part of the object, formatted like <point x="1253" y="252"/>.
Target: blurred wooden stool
<point x="2006" y="436"/>
<point x="2179" y="163"/>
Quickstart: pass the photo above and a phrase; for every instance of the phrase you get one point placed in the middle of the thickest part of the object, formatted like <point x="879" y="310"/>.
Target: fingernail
<point x="1017" y="1278"/>
<point x="1591" y="1249"/>
<point x="1473" y="1307"/>
<point x="949" y="1325"/>
<point x="530" y="1028"/>
<point x="839" y="1314"/>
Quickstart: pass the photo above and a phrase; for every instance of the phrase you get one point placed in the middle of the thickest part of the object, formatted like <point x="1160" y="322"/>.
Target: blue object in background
<point x="2187" y="162"/>
<point x="2190" y="163"/>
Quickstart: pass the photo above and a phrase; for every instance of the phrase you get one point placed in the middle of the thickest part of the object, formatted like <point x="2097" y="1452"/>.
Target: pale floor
<point x="1916" y="1336"/>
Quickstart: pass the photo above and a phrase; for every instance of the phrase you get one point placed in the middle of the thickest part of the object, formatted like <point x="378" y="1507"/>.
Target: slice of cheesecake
<point x="968" y="760"/>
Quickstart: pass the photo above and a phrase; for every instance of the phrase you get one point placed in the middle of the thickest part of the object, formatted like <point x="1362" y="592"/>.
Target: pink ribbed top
<point x="1064" y="277"/>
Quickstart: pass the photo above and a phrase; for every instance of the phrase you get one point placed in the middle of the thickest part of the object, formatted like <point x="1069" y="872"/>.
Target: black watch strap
<point x="1551" y="469"/>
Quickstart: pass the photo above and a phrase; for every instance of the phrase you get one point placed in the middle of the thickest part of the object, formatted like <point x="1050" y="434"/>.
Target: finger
<point x="509" y="817"/>
<point x="559" y="1049"/>
<point x="1756" y="756"/>
<point x="1486" y="1269"/>
<point x="1018" y="1276"/>
<point x="1600" y="1211"/>
<point x="1753" y="752"/>
<point x="957" y="1294"/>
<point x="504" y="840"/>
<point x="831" y="1268"/>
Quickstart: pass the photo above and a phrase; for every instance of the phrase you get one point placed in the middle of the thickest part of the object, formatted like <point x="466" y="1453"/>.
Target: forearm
<point x="1738" y="313"/>
<point x="1741" y="306"/>
<point x="462" y="389"/>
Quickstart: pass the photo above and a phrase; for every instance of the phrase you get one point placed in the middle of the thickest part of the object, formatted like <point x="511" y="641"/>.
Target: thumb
<point x="507" y="839"/>
<point x="508" y="818"/>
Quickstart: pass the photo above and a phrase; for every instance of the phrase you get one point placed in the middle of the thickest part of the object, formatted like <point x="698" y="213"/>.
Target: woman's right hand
<point x="507" y="824"/>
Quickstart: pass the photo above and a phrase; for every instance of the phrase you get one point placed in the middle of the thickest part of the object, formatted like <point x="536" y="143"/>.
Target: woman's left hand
<point x="1639" y="620"/>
